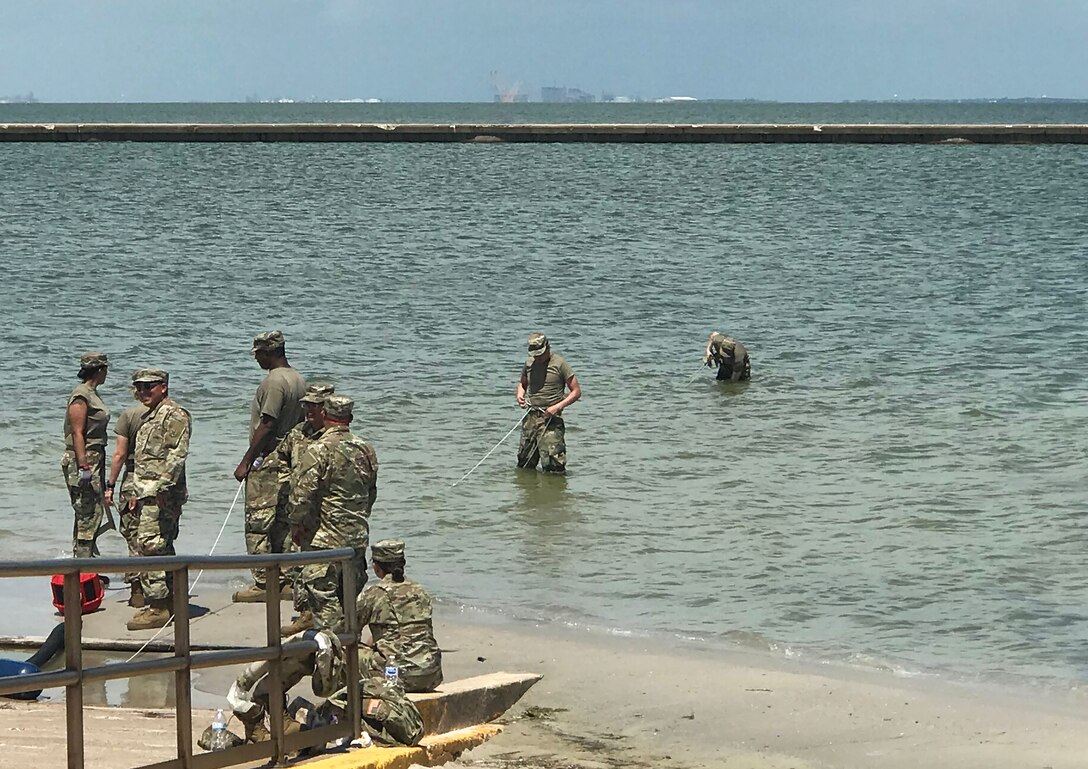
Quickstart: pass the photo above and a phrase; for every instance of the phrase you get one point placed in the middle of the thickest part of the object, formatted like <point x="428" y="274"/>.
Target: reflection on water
<point x="153" y="692"/>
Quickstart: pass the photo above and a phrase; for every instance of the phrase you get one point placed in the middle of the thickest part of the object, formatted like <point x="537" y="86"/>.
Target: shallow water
<point x="901" y="483"/>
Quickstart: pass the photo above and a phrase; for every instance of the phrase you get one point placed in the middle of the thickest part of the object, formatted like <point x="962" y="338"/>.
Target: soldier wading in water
<point x="545" y="379"/>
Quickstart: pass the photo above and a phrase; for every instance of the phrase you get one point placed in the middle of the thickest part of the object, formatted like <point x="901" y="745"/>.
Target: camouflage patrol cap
<point x="93" y="360"/>
<point x="150" y="375"/>
<point x="387" y="551"/>
<point x="338" y="407"/>
<point x="269" y="340"/>
<point x="317" y="393"/>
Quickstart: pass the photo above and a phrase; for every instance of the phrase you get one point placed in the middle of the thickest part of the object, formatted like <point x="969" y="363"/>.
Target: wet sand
<point x="608" y="701"/>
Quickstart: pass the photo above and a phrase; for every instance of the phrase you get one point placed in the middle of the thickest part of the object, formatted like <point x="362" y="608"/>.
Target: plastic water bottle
<point x="392" y="672"/>
<point x="219" y="731"/>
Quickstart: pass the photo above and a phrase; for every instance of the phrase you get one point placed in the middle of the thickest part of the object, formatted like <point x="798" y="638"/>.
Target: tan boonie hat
<point x="317" y="393"/>
<point x="149" y="375"/>
<point x="93" y="360"/>
<point x="269" y="340"/>
<point x="538" y="345"/>
<point x="387" y="551"/>
<point x="338" y="407"/>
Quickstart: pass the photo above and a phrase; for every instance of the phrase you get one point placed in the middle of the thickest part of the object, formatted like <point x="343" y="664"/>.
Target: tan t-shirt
<point x="278" y="397"/>
<point x="547" y="383"/>
<point x="127" y="425"/>
<point x="96" y="429"/>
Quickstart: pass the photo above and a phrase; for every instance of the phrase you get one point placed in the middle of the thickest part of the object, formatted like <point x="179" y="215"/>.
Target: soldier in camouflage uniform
<point x="389" y="717"/>
<point x="730" y="356"/>
<point x="398" y="612"/>
<point x="545" y="379"/>
<point x="289" y="454"/>
<point x="159" y="490"/>
<point x="249" y="695"/>
<point x="275" y="410"/>
<point x="86" y="423"/>
<point x="336" y="485"/>
<point x="124" y="451"/>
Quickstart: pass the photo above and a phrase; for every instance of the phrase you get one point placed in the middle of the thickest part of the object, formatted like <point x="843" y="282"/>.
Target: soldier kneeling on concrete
<point x="389" y="717"/>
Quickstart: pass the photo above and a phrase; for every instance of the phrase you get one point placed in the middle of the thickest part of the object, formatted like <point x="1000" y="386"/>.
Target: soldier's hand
<point x="521" y="401"/>
<point x="85" y="475"/>
<point x="241" y="471"/>
<point x="107" y="496"/>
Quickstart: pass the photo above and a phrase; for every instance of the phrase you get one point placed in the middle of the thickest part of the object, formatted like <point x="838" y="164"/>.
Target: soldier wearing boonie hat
<point x="289" y="454"/>
<point x="275" y="411"/>
<point x="399" y="614"/>
<point x="159" y="488"/>
<point x="543" y="388"/>
<point x="730" y="356"/>
<point x="336" y="486"/>
<point x="86" y="429"/>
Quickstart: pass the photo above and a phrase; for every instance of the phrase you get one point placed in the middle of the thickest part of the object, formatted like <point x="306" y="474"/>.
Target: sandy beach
<point x="610" y="701"/>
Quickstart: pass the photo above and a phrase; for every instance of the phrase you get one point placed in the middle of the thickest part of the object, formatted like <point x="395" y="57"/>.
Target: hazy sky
<point x="444" y="50"/>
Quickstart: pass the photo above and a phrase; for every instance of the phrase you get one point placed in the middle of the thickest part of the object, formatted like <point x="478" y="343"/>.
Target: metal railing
<point x="184" y="661"/>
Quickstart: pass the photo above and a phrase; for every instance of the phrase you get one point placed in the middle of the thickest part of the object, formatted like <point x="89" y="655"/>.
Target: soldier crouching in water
<point x="730" y="356"/>
<point x="545" y="379"/>
<point x="159" y="490"/>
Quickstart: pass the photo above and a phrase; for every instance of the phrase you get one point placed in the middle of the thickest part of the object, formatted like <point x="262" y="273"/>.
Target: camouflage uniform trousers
<point x="156" y="530"/>
<point x="389" y="717"/>
<point x="267" y="530"/>
<point x="294" y="575"/>
<point x="736" y="371"/>
<point x="129" y="522"/>
<point x="371" y="662"/>
<point x="293" y="671"/>
<point x="322" y="586"/>
<point x="86" y="498"/>
<point x="543" y="439"/>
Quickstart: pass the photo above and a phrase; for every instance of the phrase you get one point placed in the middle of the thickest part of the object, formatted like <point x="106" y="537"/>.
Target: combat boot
<point x="150" y="617"/>
<point x="256" y="731"/>
<point x="136" y="596"/>
<point x="301" y="623"/>
<point x="251" y="594"/>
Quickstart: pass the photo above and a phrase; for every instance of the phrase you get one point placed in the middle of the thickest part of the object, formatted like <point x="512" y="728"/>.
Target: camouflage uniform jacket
<point x="335" y="484"/>
<point x="290" y="449"/>
<point x="162" y="444"/>
<point x="399" y="616"/>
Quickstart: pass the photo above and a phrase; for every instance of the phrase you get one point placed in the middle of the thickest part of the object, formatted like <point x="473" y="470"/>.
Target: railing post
<point x="73" y="661"/>
<point x="351" y="621"/>
<point x="275" y="666"/>
<point x="183" y="695"/>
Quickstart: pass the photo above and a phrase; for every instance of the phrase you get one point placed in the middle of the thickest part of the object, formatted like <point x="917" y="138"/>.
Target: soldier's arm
<point x="177" y="429"/>
<point x="120" y="451"/>
<point x="523" y="383"/>
<point x="304" y="500"/>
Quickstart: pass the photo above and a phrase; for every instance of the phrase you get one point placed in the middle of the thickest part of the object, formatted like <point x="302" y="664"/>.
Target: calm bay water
<point x="902" y="483"/>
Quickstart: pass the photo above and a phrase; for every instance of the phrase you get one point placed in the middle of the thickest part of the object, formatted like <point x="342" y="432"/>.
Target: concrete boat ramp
<point x="498" y="133"/>
<point x="457" y="717"/>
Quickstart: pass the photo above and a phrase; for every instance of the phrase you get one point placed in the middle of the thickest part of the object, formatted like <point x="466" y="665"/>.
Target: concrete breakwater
<point x="795" y="133"/>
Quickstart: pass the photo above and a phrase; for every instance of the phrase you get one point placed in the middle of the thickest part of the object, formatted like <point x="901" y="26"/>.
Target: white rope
<point x="198" y="574"/>
<point x="515" y="427"/>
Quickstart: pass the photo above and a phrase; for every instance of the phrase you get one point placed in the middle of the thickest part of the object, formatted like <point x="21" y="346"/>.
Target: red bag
<point x="91" y="592"/>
